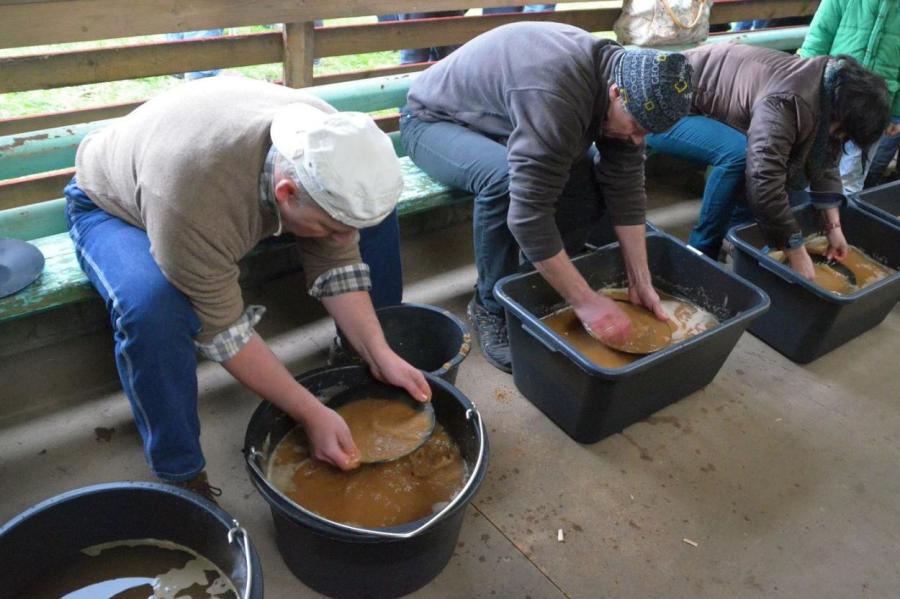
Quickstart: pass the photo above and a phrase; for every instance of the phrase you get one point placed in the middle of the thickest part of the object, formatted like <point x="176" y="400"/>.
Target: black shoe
<point x="200" y="485"/>
<point x="338" y="355"/>
<point x="492" y="337"/>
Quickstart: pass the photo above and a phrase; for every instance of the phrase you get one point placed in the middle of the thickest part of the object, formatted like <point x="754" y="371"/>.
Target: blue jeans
<point x="885" y="151"/>
<point x="499" y="10"/>
<point x="194" y="35"/>
<point x="154" y="326"/>
<point x="708" y="141"/>
<point x="414" y="55"/>
<point x="465" y="159"/>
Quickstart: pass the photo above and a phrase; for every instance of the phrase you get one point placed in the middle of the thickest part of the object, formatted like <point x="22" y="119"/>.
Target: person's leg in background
<point x="539" y="8"/>
<point x="154" y="326"/>
<point x="881" y="158"/>
<point x="502" y="10"/>
<point x="380" y="249"/>
<point x="707" y="141"/>
<point x="580" y="204"/>
<point x="467" y="160"/>
<point x="195" y="35"/>
<point x="414" y="55"/>
<point x="854" y="167"/>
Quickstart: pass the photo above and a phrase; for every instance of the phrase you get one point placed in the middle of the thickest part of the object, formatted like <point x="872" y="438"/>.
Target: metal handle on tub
<point x="243" y="543"/>
<point x="254" y="455"/>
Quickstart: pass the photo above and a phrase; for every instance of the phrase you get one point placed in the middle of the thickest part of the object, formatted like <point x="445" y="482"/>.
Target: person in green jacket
<point x="869" y="31"/>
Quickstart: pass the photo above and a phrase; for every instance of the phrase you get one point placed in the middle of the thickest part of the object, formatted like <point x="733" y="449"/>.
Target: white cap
<point x="345" y="162"/>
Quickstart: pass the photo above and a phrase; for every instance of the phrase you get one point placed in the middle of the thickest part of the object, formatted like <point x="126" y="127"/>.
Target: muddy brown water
<point x="687" y="320"/>
<point x="137" y="569"/>
<point x="373" y="495"/>
<point x="866" y="269"/>
<point x="385" y="429"/>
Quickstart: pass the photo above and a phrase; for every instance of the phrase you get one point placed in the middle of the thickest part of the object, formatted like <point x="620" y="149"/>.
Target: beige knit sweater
<point x="185" y="167"/>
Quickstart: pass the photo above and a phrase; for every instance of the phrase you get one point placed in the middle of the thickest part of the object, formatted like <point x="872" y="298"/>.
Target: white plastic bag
<point x="663" y="22"/>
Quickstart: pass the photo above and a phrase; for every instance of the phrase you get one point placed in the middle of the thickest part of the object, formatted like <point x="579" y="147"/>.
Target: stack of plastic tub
<point x="806" y="321"/>
<point x="590" y="402"/>
<point x="882" y="201"/>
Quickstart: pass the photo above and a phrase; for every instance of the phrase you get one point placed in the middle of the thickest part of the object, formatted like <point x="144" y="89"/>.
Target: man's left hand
<point x="646" y="296"/>
<point x="394" y="370"/>
<point x="837" y="246"/>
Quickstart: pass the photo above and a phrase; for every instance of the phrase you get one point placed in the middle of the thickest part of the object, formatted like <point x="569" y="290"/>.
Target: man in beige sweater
<point x="166" y="202"/>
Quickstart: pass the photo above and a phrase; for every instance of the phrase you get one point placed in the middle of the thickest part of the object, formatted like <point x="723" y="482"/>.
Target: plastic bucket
<point x="49" y="534"/>
<point x="590" y="402"/>
<point x="806" y="321"/>
<point x="346" y="561"/>
<point x="430" y="338"/>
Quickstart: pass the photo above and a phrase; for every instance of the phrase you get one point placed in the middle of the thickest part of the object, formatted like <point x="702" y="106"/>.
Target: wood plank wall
<point x="25" y="23"/>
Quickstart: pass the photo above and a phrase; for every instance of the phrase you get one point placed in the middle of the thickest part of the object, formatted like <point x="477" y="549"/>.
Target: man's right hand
<point x="331" y="439"/>
<point x="604" y="319"/>
<point x="801" y="263"/>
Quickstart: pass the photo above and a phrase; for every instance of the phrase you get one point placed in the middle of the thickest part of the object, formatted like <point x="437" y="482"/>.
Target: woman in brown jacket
<point x="774" y="123"/>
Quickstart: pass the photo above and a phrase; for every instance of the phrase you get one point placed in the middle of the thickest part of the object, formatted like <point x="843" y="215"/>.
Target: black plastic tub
<point x="882" y="201"/>
<point x="590" y="402"/>
<point x="430" y="338"/>
<point x="345" y="561"/>
<point x="41" y="539"/>
<point x="806" y="321"/>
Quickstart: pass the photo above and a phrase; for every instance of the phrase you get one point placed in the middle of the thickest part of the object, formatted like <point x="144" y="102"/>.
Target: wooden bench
<point x="51" y="153"/>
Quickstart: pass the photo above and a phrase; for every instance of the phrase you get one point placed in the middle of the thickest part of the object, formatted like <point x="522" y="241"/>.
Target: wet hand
<point x="604" y="320"/>
<point x="646" y="296"/>
<point x="801" y="263"/>
<point x="837" y="246"/>
<point x="394" y="370"/>
<point x="331" y="439"/>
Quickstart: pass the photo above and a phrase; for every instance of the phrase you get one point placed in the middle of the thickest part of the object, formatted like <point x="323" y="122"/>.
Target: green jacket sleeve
<point x="822" y="30"/>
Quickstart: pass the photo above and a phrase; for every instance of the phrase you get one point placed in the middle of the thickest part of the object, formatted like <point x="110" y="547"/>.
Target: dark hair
<point x="860" y="102"/>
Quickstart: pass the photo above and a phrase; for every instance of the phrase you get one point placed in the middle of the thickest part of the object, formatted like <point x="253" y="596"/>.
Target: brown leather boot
<point x="200" y="485"/>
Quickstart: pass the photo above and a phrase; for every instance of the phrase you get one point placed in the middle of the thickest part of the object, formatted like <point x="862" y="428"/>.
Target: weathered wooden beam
<point x="353" y="39"/>
<point x="61" y="69"/>
<point x="26" y="23"/>
<point x="33" y="188"/>
<point x="298" y="54"/>
<point x="728" y="12"/>
<point x="369" y="74"/>
<point x="51" y="120"/>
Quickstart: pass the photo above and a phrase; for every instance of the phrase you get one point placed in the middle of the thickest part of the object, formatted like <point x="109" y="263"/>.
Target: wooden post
<point x="298" y="54"/>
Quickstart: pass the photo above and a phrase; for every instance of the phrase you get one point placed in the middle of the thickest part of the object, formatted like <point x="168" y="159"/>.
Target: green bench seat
<point x="63" y="282"/>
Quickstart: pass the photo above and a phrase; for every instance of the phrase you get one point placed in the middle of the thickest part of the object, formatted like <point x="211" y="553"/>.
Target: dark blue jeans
<point x="414" y="55"/>
<point x="465" y="159"/>
<point x="708" y="141"/>
<point x="154" y="326"/>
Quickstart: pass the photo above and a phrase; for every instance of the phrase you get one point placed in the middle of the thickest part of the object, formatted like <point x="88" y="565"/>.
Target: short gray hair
<point x="286" y="168"/>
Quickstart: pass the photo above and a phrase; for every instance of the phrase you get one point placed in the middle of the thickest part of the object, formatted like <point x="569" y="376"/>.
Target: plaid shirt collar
<point x="267" y="188"/>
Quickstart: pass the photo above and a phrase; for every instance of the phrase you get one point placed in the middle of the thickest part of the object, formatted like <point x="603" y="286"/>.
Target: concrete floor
<point x="783" y="477"/>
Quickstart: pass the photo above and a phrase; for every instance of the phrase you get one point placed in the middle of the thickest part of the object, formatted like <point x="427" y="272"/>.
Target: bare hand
<point x="331" y="439"/>
<point x="893" y="130"/>
<point x="604" y="320"/>
<point x="394" y="370"/>
<point x="646" y="296"/>
<point x="801" y="263"/>
<point x="837" y="246"/>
